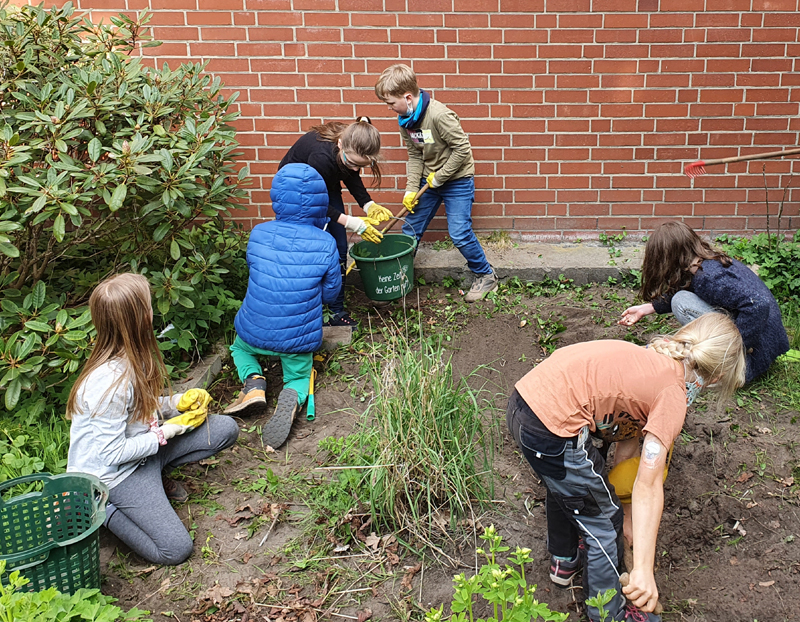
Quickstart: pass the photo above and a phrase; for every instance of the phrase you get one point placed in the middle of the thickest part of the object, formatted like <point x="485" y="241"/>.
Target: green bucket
<point x="387" y="269"/>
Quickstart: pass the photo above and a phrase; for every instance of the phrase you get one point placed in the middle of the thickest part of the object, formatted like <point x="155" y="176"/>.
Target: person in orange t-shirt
<point x="619" y="392"/>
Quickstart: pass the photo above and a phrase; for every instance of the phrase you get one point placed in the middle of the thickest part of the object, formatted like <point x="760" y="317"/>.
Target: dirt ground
<point x="728" y="547"/>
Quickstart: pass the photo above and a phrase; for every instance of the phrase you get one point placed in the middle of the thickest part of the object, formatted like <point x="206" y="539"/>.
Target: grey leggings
<point x="144" y="518"/>
<point x="688" y="306"/>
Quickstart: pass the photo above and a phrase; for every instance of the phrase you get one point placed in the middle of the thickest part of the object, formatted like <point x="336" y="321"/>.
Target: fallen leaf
<point x="766" y="583"/>
<point x="744" y="477"/>
<point x="765" y="430"/>
<point x="364" y="615"/>
<point x="145" y="571"/>
<point x="209" y="461"/>
<point x="523" y="323"/>
<point x="751" y="505"/>
<point x="409" y="576"/>
<point x="734" y="561"/>
<point x="341" y="548"/>
<point x="373" y="541"/>
<point x="788" y="481"/>
<point x="240" y="536"/>
<point x="247" y="557"/>
<point x="773" y="524"/>
<point x="216" y="594"/>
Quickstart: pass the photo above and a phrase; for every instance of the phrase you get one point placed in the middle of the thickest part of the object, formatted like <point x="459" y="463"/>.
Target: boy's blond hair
<point x="396" y="81"/>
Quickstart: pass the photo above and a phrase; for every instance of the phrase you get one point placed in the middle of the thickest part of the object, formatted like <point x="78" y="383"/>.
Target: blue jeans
<point x="688" y="306"/>
<point x="458" y="196"/>
<point x="339" y="234"/>
<point x="580" y="501"/>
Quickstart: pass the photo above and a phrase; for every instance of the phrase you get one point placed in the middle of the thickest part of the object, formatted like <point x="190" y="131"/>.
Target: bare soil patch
<point x="728" y="548"/>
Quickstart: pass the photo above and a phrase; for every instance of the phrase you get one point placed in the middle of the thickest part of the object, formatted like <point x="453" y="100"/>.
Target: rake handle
<point x="393" y="221"/>
<point x="757" y="156"/>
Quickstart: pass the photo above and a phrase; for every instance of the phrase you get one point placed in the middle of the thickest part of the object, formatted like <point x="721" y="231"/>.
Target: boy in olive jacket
<point x="439" y="153"/>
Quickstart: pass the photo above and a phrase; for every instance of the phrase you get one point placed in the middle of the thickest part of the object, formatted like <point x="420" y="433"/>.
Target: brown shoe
<point x="174" y="491"/>
<point x="252" y="400"/>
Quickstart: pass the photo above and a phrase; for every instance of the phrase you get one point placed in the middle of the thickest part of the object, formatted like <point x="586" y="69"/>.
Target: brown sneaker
<point x="174" y="491"/>
<point x="252" y="400"/>
<point x="277" y="429"/>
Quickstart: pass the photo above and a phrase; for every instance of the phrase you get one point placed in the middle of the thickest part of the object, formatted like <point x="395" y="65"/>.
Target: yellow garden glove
<point x="194" y="406"/>
<point x="371" y="234"/>
<point x="431" y="179"/>
<point x="409" y="201"/>
<point x="378" y="213"/>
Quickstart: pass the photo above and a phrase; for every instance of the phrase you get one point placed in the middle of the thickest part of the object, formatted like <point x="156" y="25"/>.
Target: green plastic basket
<point x="52" y="537"/>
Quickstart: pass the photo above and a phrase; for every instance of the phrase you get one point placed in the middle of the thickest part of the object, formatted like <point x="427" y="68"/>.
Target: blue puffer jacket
<point x="294" y="267"/>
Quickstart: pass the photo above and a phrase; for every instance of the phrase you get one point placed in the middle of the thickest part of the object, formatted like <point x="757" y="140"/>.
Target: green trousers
<point x="296" y="367"/>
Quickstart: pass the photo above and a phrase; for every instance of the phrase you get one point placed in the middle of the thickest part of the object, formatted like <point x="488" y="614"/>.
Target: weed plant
<point x="425" y="453"/>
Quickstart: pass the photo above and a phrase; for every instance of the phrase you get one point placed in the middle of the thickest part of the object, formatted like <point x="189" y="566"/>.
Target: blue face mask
<point x="693" y="389"/>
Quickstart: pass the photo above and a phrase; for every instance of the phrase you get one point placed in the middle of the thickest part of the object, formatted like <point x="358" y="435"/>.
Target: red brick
<point x="333" y="50"/>
<point x="721" y="95"/>
<point x="615" y="36"/>
<point x="555" y="67"/>
<point x="544" y="82"/>
<point x="410" y="36"/>
<point x="272" y="65"/>
<point x="373" y="19"/>
<point x="621" y="110"/>
<point x="176" y="18"/>
<point x="521" y="6"/>
<point x="259" y="49"/>
<point x="774" y="5"/>
<point x="558" y="96"/>
<point x="259" y="33"/>
<point x="504" y="21"/>
<point x="241" y="18"/>
<point x="163" y="33"/>
<point x="673" y="80"/>
<point x="205" y="18"/>
<point x="420" y="20"/>
<point x="577" y="110"/>
<point x="318" y="34"/>
<point x="662" y="35"/>
<point x="759" y="49"/>
<point x="672" y="20"/>
<point x="525" y="36"/>
<point x="618" y="6"/>
<point x="773" y="19"/>
<point x="217" y="65"/>
<point x="466" y="20"/>
<point x="275" y="18"/>
<point x="254" y="5"/>
<point x="546" y="51"/>
<point x="714" y="79"/>
<point x="430" y="6"/>
<point x="615" y="66"/>
<point x="626" y="81"/>
<point x="446" y="35"/>
<point x="480" y="36"/>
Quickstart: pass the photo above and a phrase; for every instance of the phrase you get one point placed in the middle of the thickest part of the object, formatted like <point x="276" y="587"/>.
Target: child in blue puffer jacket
<point x="294" y="270"/>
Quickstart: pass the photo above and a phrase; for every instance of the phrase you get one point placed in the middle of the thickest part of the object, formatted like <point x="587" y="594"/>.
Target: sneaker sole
<point x="277" y="429"/>
<point x="562" y="581"/>
<point x="251" y="408"/>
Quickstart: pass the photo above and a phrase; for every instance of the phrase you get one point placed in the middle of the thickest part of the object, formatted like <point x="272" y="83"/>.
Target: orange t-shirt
<point x="620" y="389"/>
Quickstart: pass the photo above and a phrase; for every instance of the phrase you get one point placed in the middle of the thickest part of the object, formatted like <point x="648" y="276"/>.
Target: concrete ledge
<point x="584" y="263"/>
<point x="203" y="374"/>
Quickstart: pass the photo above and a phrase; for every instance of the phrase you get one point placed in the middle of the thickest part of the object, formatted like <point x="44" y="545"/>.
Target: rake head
<point x="695" y="169"/>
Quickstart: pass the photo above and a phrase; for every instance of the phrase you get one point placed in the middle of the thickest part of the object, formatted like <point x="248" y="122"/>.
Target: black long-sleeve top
<point x="321" y="155"/>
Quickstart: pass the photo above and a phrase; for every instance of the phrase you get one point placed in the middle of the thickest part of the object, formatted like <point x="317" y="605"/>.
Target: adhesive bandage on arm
<point x="651" y="453"/>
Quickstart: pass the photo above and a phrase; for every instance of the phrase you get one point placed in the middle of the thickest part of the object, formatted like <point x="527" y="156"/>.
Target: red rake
<point x="695" y="169"/>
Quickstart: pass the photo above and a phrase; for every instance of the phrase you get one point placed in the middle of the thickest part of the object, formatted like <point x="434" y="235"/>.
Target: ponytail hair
<point x="361" y="138"/>
<point x="668" y="257"/>
<point x="711" y="346"/>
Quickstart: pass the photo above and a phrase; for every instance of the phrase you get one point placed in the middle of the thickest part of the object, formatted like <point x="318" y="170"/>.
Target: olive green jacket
<point x="438" y="145"/>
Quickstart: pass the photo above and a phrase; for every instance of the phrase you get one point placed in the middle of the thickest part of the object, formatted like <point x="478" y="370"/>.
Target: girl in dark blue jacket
<point x="684" y="274"/>
<point x="294" y="270"/>
<point x="338" y="151"/>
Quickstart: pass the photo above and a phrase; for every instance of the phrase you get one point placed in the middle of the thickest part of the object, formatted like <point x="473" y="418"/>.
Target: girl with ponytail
<point x="338" y="151"/>
<point x="621" y="393"/>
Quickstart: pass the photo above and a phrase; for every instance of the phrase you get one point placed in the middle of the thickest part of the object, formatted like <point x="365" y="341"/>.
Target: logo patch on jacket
<point x="421" y="136"/>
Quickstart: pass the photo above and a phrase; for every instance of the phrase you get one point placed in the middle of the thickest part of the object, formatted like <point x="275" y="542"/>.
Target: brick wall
<point x="581" y="113"/>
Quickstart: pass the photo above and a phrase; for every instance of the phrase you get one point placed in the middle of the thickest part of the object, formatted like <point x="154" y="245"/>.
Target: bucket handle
<point x="354" y="267"/>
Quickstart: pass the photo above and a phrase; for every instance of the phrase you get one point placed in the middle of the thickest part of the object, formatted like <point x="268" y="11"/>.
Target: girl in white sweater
<point x="120" y="428"/>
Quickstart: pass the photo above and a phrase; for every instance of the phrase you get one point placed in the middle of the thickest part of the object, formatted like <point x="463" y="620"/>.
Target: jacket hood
<point x="299" y="195"/>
